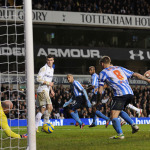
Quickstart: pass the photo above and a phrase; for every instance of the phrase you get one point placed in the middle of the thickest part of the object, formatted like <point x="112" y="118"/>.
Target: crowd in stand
<point x="62" y="94"/>
<point x="126" y="7"/>
<point x="17" y="97"/>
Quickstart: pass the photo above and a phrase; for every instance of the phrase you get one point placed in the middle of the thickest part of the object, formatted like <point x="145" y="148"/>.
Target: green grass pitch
<point x="97" y="138"/>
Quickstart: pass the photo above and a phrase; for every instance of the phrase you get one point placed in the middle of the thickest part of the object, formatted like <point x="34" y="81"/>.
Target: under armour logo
<point x="133" y="55"/>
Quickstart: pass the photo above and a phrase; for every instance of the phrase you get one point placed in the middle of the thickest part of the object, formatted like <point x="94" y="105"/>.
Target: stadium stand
<point x="63" y="94"/>
<point x="126" y="7"/>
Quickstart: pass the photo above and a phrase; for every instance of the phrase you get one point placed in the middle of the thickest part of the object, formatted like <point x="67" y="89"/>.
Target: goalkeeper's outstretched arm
<point x="4" y="125"/>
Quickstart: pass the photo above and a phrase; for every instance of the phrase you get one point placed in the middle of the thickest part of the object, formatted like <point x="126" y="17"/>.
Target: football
<point x="7" y="106"/>
<point x="48" y="128"/>
<point x="147" y="74"/>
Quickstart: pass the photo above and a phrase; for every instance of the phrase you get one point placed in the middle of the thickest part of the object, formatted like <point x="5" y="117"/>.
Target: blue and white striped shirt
<point x="117" y="78"/>
<point x="94" y="82"/>
<point x="77" y="88"/>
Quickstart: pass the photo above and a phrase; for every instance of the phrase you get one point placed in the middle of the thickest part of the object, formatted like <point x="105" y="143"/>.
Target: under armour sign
<point x="134" y="55"/>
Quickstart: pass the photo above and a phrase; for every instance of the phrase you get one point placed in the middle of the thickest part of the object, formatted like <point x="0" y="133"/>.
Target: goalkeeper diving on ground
<point x="4" y="123"/>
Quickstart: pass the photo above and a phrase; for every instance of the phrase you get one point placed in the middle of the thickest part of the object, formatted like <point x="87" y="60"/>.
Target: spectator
<point x="141" y="100"/>
<point x="61" y="116"/>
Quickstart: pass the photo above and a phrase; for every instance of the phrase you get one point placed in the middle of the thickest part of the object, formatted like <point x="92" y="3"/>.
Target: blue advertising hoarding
<point x="64" y="122"/>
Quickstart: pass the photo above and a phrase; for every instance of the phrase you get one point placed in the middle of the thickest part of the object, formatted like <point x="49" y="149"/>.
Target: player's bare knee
<point x="49" y="108"/>
<point x="114" y="114"/>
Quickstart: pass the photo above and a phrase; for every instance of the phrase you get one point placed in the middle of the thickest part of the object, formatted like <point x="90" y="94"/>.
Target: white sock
<point x="133" y="108"/>
<point x="37" y="119"/>
<point x="121" y="119"/>
<point x="46" y="116"/>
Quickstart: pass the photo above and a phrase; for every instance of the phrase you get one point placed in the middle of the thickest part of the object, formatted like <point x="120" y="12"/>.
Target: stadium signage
<point x="36" y="15"/>
<point x="78" y="18"/>
<point x="139" y="55"/>
<point x="16" y="51"/>
<point x="124" y="54"/>
<point x="76" y="52"/>
<point x="58" y="79"/>
<point x="11" y="13"/>
<point x="64" y="122"/>
<point x="57" y="52"/>
<point x="104" y="19"/>
<point x="115" y="20"/>
<point x="73" y="53"/>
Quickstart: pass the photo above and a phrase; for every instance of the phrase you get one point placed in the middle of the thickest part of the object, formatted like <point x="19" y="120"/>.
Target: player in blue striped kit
<point x="117" y="78"/>
<point x="80" y="97"/>
<point x="94" y="88"/>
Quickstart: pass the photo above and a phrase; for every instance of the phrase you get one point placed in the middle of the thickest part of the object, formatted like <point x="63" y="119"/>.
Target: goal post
<point x="30" y="74"/>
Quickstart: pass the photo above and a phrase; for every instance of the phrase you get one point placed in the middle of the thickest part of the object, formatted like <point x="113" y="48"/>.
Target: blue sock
<point x="94" y="119"/>
<point x="76" y="112"/>
<point x="99" y="114"/>
<point x="116" y="125"/>
<point x="126" y="117"/>
<point x="76" y="118"/>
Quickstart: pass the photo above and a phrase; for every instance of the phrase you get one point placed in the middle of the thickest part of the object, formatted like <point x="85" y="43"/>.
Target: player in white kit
<point x="44" y="78"/>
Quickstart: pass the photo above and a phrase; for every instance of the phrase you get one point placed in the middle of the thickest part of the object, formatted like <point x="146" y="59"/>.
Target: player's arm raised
<point x="141" y="77"/>
<point x="40" y="77"/>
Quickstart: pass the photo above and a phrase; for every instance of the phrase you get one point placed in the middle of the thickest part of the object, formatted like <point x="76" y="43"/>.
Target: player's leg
<point x="49" y="107"/>
<point x="75" y="117"/>
<point x="78" y="104"/>
<point x="39" y="116"/>
<point x="40" y="102"/>
<point x="76" y="112"/>
<point x="116" y="106"/>
<point x="138" y="111"/>
<point x="100" y="115"/>
<point x="47" y="113"/>
<point x="116" y="124"/>
<point x="94" y="121"/>
<point x="126" y="117"/>
<point x="122" y="121"/>
<point x="97" y="113"/>
<point x="93" y="99"/>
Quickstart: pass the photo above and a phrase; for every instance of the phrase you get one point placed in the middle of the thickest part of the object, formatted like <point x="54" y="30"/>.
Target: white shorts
<point x="43" y="98"/>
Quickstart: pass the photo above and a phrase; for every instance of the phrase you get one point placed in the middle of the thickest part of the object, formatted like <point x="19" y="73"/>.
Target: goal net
<point x="13" y="70"/>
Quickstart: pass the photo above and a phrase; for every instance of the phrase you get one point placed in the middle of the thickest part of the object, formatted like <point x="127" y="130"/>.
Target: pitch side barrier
<point x="67" y="122"/>
<point x="57" y="79"/>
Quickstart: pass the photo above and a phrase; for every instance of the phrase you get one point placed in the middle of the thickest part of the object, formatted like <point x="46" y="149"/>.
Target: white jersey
<point x="45" y="74"/>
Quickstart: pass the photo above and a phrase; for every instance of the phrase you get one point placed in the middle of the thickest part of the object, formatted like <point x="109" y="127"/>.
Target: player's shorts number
<point x="118" y="74"/>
